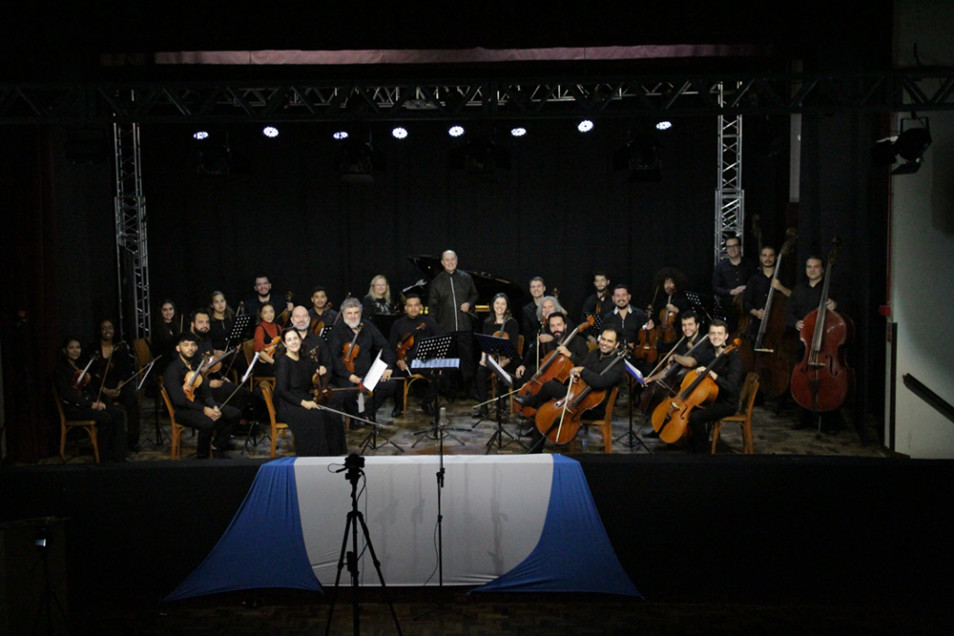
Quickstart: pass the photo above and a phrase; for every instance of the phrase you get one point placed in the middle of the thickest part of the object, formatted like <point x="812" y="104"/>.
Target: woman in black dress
<point x="317" y="432"/>
<point x="500" y="322"/>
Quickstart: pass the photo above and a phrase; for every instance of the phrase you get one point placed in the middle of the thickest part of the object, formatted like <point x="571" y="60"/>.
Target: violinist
<point x="80" y="403"/>
<point x="805" y="297"/>
<point x="210" y="418"/>
<point x="219" y="383"/>
<point x="114" y="365"/>
<point x="590" y="370"/>
<point x="262" y="295"/>
<point x="451" y="298"/>
<point x="530" y="324"/>
<point x="672" y="283"/>
<point x="757" y="289"/>
<point x="355" y="343"/>
<point x="316" y="432"/>
<point x="221" y="317"/>
<point x="502" y="325"/>
<point x="267" y="338"/>
<point x="321" y="313"/>
<point x="406" y="332"/>
<point x="729" y="279"/>
<point x="165" y="334"/>
<point x="728" y="377"/>
<point x="625" y="318"/>
<point x="597" y="303"/>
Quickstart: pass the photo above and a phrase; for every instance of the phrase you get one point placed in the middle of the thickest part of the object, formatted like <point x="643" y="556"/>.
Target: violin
<point x="272" y="345"/>
<point x="667" y="323"/>
<point x="822" y="380"/>
<point x="559" y="420"/>
<point x="671" y="417"/>
<point x="193" y="380"/>
<point x="82" y="377"/>
<point x="555" y="366"/>
<point x="407" y="342"/>
<point x="350" y="351"/>
<point x="646" y="346"/>
<point x="285" y="316"/>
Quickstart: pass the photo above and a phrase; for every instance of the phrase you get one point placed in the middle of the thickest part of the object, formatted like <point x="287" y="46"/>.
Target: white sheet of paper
<point x="500" y="370"/>
<point x="371" y="378"/>
<point x="248" y="371"/>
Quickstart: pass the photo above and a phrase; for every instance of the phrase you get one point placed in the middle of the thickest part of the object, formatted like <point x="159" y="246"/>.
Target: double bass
<point x="774" y="354"/>
<point x="671" y="417"/>
<point x="555" y="366"/>
<point x="822" y="380"/>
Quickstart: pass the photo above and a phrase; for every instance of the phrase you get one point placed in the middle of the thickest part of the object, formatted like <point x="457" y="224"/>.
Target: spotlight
<point x="199" y="135"/>
<point x="519" y="131"/>
<point x="910" y="145"/>
<point x="399" y="132"/>
<point x="664" y="125"/>
<point x="340" y="135"/>
<point x="585" y="126"/>
<point x="270" y="131"/>
<point x="455" y="131"/>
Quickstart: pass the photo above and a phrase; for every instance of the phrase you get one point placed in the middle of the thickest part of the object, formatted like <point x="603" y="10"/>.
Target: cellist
<point x="589" y="371"/>
<point x="805" y="298"/>
<point x="728" y="377"/>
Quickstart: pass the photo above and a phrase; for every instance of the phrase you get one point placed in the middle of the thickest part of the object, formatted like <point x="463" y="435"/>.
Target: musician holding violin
<point x="112" y="372"/>
<point x="597" y="303"/>
<point x="320" y="313"/>
<point x="629" y="321"/>
<point x="499" y="324"/>
<point x="316" y="432"/>
<point x="263" y="294"/>
<point x="76" y="389"/>
<point x="356" y="343"/>
<point x="182" y="379"/>
<point x="220" y="384"/>
<point x="267" y="339"/>
<point x="671" y="284"/>
<point x="726" y="372"/>
<point x="598" y="370"/>
<point x="406" y="333"/>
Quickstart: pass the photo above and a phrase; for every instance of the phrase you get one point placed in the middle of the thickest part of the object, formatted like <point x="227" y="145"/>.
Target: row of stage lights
<point x="400" y="132"/>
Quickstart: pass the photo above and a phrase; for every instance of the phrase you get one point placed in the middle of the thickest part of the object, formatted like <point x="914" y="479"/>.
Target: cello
<point x="671" y="417"/>
<point x="559" y="420"/>
<point x="822" y="380"/>
<point x="669" y="384"/>
<point x="555" y="366"/>
<point x="774" y="356"/>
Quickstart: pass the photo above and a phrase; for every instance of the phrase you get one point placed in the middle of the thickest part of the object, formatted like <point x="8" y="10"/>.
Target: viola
<point x="407" y="342"/>
<point x="193" y="380"/>
<point x="559" y="420"/>
<point x="774" y="352"/>
<point x="671" y="417"/>
<point x="555" y="366"/>
<point x="822" y="380"/>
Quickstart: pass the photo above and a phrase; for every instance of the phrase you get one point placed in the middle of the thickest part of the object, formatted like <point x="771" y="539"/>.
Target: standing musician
<point x="355" y="343"/>
<point x="406" y="332"/>
<point x="503" y="325"/>
<point x="450" y="299"/>
<point x="728" y="377"/>
<point x="321" y="313"/>
<point x="203" y="412"/>
<point x="221" y="386"/>
<point x="79" y="403"/>
<point x="115" y="365"/>
<point x="627" y="319"/>
<point x="805" y="298"/>
<point x="529" y="316"/>
<point x="262" y="295"/>
<point x="597" y="303"/>
<point x="165" y="333"/>
<point x="729" y="279"/>
<point x="221" y="318"/>
<point x="757" y="289"/>
<point x="317" y="432"/>
<point x="589" y="370"/>
<point x="267" y="338"/>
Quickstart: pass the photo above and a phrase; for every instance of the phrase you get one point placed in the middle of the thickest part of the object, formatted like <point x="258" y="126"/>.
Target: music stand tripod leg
<point x="371" y="441"/>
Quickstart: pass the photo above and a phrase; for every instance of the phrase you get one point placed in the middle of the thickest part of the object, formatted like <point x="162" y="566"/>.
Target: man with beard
<point x="576" y="350"/>
<point x="203" y="412"/>
<point x="406" y="333"/>
<point x="626" y="318"/>
<point x="596" y="304"/>
<point x="355" y="343"/>
<point x="757" y="289"/>
<point x="222" y="387"/>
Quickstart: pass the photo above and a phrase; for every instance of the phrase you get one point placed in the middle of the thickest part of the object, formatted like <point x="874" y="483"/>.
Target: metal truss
<point x="132" y="253"/>
<point x="730" y="197"/>
<point x="171" y="101"/>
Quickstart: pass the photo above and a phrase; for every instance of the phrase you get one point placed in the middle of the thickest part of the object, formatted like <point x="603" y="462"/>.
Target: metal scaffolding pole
<point x="729" y="196"/>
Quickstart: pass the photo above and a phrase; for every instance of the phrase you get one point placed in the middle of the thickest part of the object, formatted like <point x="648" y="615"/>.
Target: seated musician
<point x="321" y="313"/>
<point x="219" y="383"/>
<point x="627" y="319"/>
<point x="316" y="431"/>
<point x="81" y="403"/>
<point x="212" y="419"/>
<point x="221" y="318"/>
<point x="165" y="334"/>
<point x="673" y="285"/>
<point x="597" y="303"/>
<point x="590" y="371"/>
<point x="355" y="343"/>
<point x="406" y="333"/>
<point x="728" y="377"/>
<point x="500" y="322"/>
<point x="114" y="366"/>
<point x="757" y="289"/>
<point x="533" y="357"/>
<point x="267" y="339"/>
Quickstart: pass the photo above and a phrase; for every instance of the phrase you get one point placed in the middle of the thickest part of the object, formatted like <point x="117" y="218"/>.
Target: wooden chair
<point x="248" y="348"/>
<point x="142" y="351"/>
<point x="175" y="448"/>
<point x="605" y="423"/>
<point x="743" y="417"/>
<point x="68" y="425"/>
<point x="277" y="428"/>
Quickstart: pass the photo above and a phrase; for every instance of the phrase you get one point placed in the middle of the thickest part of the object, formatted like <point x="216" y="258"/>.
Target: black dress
<point x="317" y="432"/>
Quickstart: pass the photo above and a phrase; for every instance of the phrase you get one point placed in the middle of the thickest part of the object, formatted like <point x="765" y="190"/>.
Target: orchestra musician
<point x="557" y="326"/>
<point x="757" y="289"/>
<point x="316" y="432"/>
<point x="673" y="285"/>
<point x="213" y="420"/>
<point x="219" y="383"/>
<point x="729" y="278"/>
<point x="262" y="295"/>
<point x="729" y="381"/>
<point x="378" y="299"/>
<point x="450" y="300"/>
<point x="117" y="363"/>
<point x="80" y="403"/>
<point x="501" y="323"/>
<point x="356" y="343"/>
<point x="529" y="314"/>
<point x="406" y="333"/>
<point x="589" y="370"/>
<point x="165" y="334"/>
<point x="625" y="318"/>
<point x="221" y="318"/>
<point x="321" y="311"/>
<point x="267" y="334"/>
<point x="597" y="303"/>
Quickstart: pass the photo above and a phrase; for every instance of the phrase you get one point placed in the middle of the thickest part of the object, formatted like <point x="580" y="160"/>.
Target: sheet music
<point x="248" y="371"/>
<point x="436" y="363"/>
<point x="373" y="376"/>
<point x="503" y="375"/>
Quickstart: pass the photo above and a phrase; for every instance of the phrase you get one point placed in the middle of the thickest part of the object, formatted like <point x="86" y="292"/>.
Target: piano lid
<point x="487" y="284"/>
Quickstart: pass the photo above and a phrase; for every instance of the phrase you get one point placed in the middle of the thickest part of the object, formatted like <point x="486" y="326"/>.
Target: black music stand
<point x="697" y="304"/>
<point x="431" y="353"/>
<point x="371" y="440"/>
<point x="495" y="348"/>
<point x="632" y="439"/>
<point x="237" y="334"/>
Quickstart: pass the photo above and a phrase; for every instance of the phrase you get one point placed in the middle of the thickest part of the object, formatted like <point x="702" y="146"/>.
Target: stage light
<point x="199" y="135"/>
<point x="664" y="125"/>
<point x="270" y="131"/>
<point x="910" y="145"/>
<point x="585" y="126"/>
<point x="455" y="131"/>
<point x="518" y="131"/>
<point x="399" y="132"/>
<point x="340" y="135"/>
